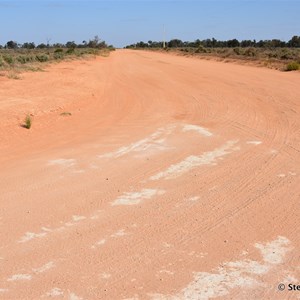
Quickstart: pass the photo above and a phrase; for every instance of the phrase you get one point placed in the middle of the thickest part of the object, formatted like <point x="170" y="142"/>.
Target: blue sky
<point x="122" y="22"/>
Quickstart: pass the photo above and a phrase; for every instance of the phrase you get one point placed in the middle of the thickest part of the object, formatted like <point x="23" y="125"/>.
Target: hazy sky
<point x="121" y="22"/>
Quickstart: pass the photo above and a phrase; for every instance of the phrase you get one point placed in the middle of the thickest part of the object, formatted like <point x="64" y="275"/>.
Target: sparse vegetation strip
<point x="270" y="53"/>
<point x="15" y="58"/>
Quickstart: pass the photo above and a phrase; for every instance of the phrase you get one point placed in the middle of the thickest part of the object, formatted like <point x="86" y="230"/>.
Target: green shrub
<point x="27" y="122"/>
<point x="201" y="49"/>
<point x="293" y="66"/>
<point x="237" y="51"/>
<point x="42" y="57"/>
<point x="58" y="55"/>
<point x="250" y="52"/>
<point x="1" y="62"/>
<point x="9" y="59"/>
<point x="22" y="59"/>
<point x="58" y="50"/>
<point x="70" y="51"/>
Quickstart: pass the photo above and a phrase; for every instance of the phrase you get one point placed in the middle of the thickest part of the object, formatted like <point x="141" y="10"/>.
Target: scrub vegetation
<point x="270" y="53"/>
<point x="16" y="58"/>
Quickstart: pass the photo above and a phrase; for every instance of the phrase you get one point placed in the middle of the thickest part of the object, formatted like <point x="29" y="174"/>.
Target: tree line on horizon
<point x="96" y="43"/>
<point x="294" y="42"/>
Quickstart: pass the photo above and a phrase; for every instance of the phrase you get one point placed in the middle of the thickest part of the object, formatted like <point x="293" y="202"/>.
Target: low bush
<point x="8" y="59"/>
<point x="250" y="52"/>
<point x="21" y="59"/>
<point x="237" y="51"/>
<point x="42" y="57"/>
<point x="293" y="66"/>
<point x="58" y="55"/>
<point x="70" y="51"/>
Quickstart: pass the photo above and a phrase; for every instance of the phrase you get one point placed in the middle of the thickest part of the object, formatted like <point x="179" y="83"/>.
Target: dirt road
<point x="172" y="178"/>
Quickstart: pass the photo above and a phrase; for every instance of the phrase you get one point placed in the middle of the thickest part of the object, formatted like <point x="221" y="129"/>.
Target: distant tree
<point x="41" y="46"/>
<point x="141" y="45"/>
<point x="175" y="43"/>
<point x="11" y="45"/>
<point x="28" y="45"/>
<point x="58" y="45"/>
<point x="260" y="44"/>
<point x="246" y="43"/>
<point x="294" y="42"/>
<point x="207" y="43"/>
<point x="96" y="43"/>
<point x="213" y="43"/>
<point x="233" y="43"/>
<point x="92" y="43"/>
<point x="274" y="43"/>
<point x="71" y="45"/>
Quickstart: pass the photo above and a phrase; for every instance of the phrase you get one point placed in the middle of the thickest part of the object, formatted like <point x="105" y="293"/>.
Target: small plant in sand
<point x="28" y="122"/>
<point x="65" y="114"/>
<point x="13" y="75"/>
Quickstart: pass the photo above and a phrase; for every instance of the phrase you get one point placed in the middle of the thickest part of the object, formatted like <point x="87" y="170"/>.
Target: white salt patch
<point x="3" y="290"/>
<point x="20" y="277"/>
<point x="78" y="218"/>
<point x="281" y="175"/>
<point x="44" y="268"/>
<point x="167" y="272"/>
<point x="274" y="151"/>
<point x="101" y="242"/>
<point x="166" y="245"/>
<point x="254" y="142"/>
<point x="105" y="275"/>
<point x="46" y="229"/>
<point x="79" y="171"/>
<point x="241" y="274"/>
<point x="62" y="162"/>
<point x="30" y="236"/>
<point x="274" y="252"/>
<point x="191" y="162"/>
<point x="74" y="297"/>
<point x="292" y="173"/>
<point x="119" y="233"/>
<point x="198" y="129"/>
<point x="69" y="224"/>
<point x="193" y="199"/>
<point x="55" y="292"/>
<point x="153" y="142"/>
<point x="93" y="166"/>
<point x="136" y="197"/>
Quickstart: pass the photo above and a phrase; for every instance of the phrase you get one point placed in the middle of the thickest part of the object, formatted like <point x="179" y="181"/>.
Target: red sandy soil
<point x="174" y="178"/>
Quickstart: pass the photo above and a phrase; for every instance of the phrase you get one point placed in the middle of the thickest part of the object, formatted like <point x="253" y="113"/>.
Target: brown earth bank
<point x="165" y="178"/>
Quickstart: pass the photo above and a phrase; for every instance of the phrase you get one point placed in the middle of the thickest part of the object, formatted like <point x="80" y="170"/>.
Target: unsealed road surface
<point x="173" y="178"/>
